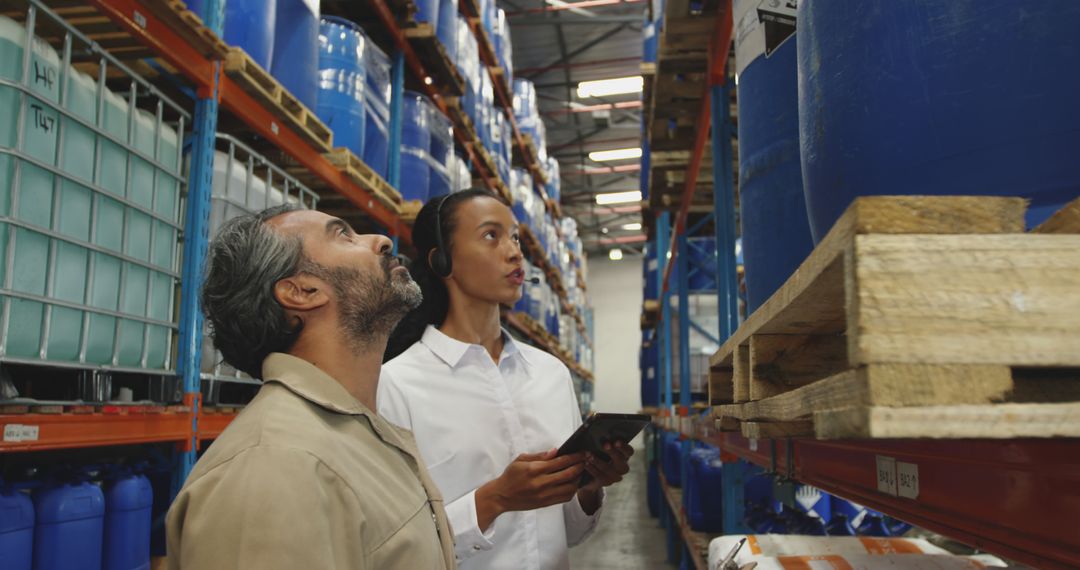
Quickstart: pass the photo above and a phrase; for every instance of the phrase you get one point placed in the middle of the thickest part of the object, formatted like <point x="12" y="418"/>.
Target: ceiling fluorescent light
<point x="617" y="154"/>
<point x="615" y="254"/>
<point x="605" y="87"/>
<point x="632" y="227"/>
<point x="618" y="197"/>
<point x="570" y="6"/>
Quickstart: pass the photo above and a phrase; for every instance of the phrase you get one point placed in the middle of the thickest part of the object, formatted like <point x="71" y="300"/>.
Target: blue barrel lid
<point x="69" y="502"/>
<point x="345" y="22"/>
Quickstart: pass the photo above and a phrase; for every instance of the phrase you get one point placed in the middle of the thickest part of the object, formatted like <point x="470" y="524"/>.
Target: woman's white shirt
<point x="471" y="418"/>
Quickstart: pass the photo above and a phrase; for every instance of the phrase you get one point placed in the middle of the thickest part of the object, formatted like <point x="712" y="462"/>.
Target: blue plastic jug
<point x="16" y="529"/>
<point x="69" y="526"/>
<point x="128" y="502"/>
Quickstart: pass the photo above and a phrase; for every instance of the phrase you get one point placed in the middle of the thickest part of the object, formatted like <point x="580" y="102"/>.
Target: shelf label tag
<point x="15" y="433"/>
<point x="886" y="475"/>
<point x="140" y="20"/>
<point x="907" y="476"/>
<point x="274" y="128"/>
<point x="753" y="444"/>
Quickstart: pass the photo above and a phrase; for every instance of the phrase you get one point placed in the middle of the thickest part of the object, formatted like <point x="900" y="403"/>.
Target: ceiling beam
<point x="548" y="21"/>
<point x="577" y="51"/>
<point x="574" y="6"/>
<point x="577" y="64"/>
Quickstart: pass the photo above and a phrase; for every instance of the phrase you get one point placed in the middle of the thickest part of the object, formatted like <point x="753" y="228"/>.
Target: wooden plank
<point x="1001" y="421"/>
<point x="721" y="387"/>
<point x="364" y="176"/>
<point x="779" y="363"/>
<point x="189" y="26"/>
<point x="741" y="377"/>
<point x="409" y="211"/>
<point x="437" y="62"/>
<point x="883" y="385"/>
<point x="773" y="430"/>
<point x="990" y="299"/>
<point x="727" y="424"/>
<point x="1064" y="221"/>
<point x="258" y="83"/>
<point x="812" y="301"/>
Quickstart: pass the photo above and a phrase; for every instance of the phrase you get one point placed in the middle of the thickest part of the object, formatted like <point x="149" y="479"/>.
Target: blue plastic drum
<point x="295" y="62"/>
<point x="342" y="82"/>
<point x="415" y="147"/>
<point x="775" y="229"/>
<point x="938" y="97"/>
<point x="249" y="25"/>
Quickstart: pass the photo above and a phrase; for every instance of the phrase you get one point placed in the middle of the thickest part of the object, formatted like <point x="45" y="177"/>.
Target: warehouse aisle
<point x="628" y="538"/>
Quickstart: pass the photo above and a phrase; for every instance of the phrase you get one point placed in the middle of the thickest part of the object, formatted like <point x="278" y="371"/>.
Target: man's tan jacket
<point x="308" y="478"/>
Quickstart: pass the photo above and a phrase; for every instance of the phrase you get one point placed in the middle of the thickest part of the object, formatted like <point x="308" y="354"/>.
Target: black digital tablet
<point x="601" y="428"/>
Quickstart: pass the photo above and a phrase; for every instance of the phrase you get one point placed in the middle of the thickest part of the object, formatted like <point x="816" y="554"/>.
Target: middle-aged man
<point x="307" y="476"/>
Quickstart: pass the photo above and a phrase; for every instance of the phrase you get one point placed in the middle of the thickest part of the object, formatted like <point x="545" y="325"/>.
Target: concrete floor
<point x="627" y="538"/>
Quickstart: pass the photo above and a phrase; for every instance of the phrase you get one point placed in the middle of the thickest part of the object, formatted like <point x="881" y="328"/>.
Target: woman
<point x="487" y="411"/>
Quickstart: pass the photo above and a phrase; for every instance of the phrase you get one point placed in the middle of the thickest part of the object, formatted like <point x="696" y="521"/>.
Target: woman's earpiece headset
<point x="441" y="263"/>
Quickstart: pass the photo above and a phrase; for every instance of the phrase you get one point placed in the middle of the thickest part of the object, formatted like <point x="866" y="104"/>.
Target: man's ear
<point x="301" y="292"/>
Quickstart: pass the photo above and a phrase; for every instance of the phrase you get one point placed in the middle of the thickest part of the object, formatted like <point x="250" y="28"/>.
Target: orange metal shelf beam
<point x="68" y="431"/>
<point x="141" y="23"/>
<point x="211" y="425"/>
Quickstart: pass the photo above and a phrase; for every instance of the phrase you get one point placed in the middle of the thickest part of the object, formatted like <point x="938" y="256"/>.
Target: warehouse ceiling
<point x="558" y="45"/>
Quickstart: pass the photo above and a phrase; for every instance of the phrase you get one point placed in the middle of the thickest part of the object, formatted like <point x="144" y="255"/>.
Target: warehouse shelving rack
<point x="1013" y="497"/>
<point x="165" y="32"/>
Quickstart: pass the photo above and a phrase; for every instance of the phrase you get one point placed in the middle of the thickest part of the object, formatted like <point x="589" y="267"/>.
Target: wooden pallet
<point x="175" y="14"/>
<point x="409" y="210"/>
<point x="443" y="72"/>
<point x="650" y="314"/>
<point x="921" y="303"/>
<point x="360" y="173"/>
<point x="258" y="83"/>
<point x="498" y="75"/>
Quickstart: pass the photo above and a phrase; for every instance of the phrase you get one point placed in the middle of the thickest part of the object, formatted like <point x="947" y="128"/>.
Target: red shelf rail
<point x="140" y="22"/>
<point x="1015" y="498"/>
<point x="42" y="432"/>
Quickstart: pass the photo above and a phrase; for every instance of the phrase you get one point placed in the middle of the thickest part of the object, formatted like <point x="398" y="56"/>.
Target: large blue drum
<point x="938" y="97"/>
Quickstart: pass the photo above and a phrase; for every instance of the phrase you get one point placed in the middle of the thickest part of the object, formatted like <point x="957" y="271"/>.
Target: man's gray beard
<point x="370" y="306"/>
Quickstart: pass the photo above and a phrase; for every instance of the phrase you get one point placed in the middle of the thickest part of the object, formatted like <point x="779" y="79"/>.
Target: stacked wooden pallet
<point x="258" y="83"/>
<point x="916" y="317"/>
<point x="444" y="74"/>
<point x="650" y="313"/>
<point x="188" y="25"/>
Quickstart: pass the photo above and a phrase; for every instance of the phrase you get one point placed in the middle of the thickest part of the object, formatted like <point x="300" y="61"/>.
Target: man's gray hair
<point x="245" y="261"/>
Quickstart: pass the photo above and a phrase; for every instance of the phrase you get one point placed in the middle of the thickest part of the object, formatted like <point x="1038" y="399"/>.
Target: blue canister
<point x="342" y="82"/>
<point x="295" y="62"/>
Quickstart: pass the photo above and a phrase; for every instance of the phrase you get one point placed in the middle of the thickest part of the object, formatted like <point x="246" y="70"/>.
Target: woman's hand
<point x="604" y="473"/>
<point x="532" y="481"/>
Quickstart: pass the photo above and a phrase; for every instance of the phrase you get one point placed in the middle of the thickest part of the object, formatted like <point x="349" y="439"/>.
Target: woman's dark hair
<point x="245" y="261"/>
<point x="436" y="303"/>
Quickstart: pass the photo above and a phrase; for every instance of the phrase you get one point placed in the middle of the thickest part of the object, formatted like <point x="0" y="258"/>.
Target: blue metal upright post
<point x="196" y="240"/>
<point x="397" y="110"/>
<point x="727" y="285"/>
<point x="726" y="279"/>
<point x="682" y="270"/>
<point x="663" y="229"/>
